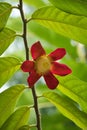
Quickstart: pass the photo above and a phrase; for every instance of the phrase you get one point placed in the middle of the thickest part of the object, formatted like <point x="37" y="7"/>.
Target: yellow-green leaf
<point x="75" y="89"/>
<point x="66" y="24"/>
<point x="71" y="6"/>
<point x="8" y="66"/>
<point x="17" y="119"/>
<point x="68" y="109"/>
<point x="26" y="127"/>
<point x="5" y="10"/>
<point x="6" y="38"/>
<point x="8" y="99"/>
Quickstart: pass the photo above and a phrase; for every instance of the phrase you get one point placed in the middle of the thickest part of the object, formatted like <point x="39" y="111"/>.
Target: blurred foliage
<point x="57" y="121"/>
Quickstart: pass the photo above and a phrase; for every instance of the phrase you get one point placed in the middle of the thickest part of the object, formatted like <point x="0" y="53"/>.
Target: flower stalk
<point x="24" y="36"/>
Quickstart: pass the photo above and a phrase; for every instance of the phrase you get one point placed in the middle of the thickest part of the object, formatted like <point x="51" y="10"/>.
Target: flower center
<point x="42" y="65"/>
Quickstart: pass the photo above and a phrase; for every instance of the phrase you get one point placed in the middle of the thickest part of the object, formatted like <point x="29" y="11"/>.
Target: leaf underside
<point x="66" y="24"/>
<point x="8" y="66"/>
<point x="67" y="108"/>
<point x="17" y="119"/>
<point x="8" y="100"/>
<point x="6" y="38"/>
<point x="78" y="7"/>
<point x="25" y="127"/>
<point x="5" y="10"/>
<point x="74" y="89"/>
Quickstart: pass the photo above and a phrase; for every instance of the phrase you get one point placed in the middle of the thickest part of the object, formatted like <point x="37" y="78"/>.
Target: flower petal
<point x="51" y="81"/>
<point x="60" y="69"/>
<point x="32" y="79"/>
<point x="27" y="66"/>
<point x="37" y="50"/>
<point x="57" y="54"/>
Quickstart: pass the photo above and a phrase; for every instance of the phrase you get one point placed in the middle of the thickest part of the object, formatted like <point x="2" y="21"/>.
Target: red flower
<point x="45" y="65"/>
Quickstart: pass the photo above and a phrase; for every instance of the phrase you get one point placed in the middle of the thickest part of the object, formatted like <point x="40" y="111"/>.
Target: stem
<point x="24" y="20"/>
<point x="36" y="108"/>
<point x="24" y="29"/>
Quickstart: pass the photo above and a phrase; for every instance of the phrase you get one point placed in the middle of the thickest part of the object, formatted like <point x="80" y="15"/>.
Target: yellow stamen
<point x="42" y="65"/>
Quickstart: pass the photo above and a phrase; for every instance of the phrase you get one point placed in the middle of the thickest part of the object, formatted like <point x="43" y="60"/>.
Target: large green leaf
<point x="26" y="127"/>
<point x="78" y="7"/>
<point x="43" y="33"/>
<point x="58" y="42"/>
<point x="35" y="3"/>
<point x="67" y="108"/>
<point x="75" y="89"/>
<point x="5" y="10"/>
<point x="17" y="119"/>
<point x="8" y="99"/>
<point x="8" y="66"/>
<point x="6" y="38"/>
<point x="76" y="66"/>
<point x="69" y="25"/>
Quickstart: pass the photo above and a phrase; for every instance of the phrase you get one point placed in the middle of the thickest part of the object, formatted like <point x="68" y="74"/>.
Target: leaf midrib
<point x="75" y="116"/>
<point x="6" y="11"/>
<point x="39" y="19"/>
<point x="21" y="118"/>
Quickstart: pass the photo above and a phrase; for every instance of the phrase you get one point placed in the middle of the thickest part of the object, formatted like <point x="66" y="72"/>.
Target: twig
<point x="24" y="20"/>
<point x="24" y="28"/>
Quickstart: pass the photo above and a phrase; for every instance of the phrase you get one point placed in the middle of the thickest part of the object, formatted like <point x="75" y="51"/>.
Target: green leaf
<point x="43" y="33"/>
<point x="26" y="127"/>
<point x="8" y="66"/>
<point x="58" y="42"/>
<point x="67" y="108"/>
<point x="35" y="3"/>
<point x="17" y="119"/>
<point x="6" y="38"/>
<point x="5" y="10"/>
<point x="76" y="66"/>
<point x="78" y="7"/>
<point x="75" y="89"/>
<point x="8" y="100"/>
<point x="66" y="24"/>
